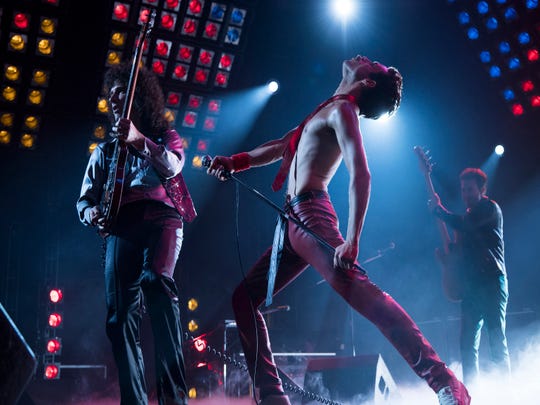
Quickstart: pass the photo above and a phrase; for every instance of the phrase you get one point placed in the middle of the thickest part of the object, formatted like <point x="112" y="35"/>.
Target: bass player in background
<point x="144" y="241"/>
<point x="484" y="292"/>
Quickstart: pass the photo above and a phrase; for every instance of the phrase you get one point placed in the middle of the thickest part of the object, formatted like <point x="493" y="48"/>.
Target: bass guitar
<point x="112" y="192"/>
<point x="448" y="256"/>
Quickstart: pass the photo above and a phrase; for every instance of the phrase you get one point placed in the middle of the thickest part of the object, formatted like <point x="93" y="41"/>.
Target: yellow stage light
<point x="40" y="77"/>
<point x="170" y="115"/>
<point x="192" y="393"/>
<point x="193" y="325"/>
<point x="28" y="141"/>
<point x="17" y="42"/>
<point x="118" y="39"/>
<point x="114" y="58"/>
<point x="91" y="147"/>
<point x="47" y="25"/>
<point x="31" y="122"/>
<point x="6" y="119"/>
<point x="45" y="47"/>
<point x="103" y="105"/>
<point x="35" y="97"/>
<point x="100" y="131"/>
<point x="5" y="137"/>
<point x="193" y="304"/>
<point x="197" y="161"/>
<point x="9" y="93"/>
<point x="12" y="73"/>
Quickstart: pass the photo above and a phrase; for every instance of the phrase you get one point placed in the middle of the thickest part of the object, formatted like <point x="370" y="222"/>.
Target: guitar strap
<point x="175" y="188"/>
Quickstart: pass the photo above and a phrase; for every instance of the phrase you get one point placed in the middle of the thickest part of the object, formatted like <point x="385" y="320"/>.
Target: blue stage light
<point x="510" y="14"/>
<point x="524" y="38"/>
<point x="492" y="23"/>
<point x="485" y="56"/>
<point x="509" y="94"/>
<point x="495" y="71"/>
<point x="504" y="47"/>
<point x="514" y="63"/>
<point x="217" y="12"/>
<point x="530" y="4"/>
<point x="473" y="33"/>
<point x="464" y="18"/>
<point x="501" y="1"/>
<point x="483" y="7"/>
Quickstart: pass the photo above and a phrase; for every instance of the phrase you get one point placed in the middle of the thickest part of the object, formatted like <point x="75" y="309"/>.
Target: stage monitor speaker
<point x="350" y="379"/>
<point x="17" y="361"/>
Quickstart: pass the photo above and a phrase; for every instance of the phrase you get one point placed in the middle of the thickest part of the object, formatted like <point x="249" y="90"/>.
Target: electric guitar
<point x="112" y="190"/>
<point x="448" y="256"/>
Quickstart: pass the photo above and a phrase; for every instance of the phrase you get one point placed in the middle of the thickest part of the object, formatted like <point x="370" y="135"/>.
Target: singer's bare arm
<point x="262" y="155"/>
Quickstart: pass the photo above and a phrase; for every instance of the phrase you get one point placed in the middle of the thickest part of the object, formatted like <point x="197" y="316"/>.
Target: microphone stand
<point x="206" y="163"/>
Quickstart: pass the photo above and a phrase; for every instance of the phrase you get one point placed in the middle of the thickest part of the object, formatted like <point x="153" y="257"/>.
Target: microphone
<point x="207" y="161"/>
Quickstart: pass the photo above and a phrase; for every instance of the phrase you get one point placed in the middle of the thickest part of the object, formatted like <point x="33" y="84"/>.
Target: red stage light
<point x="121" y="11"/>
<point x="180" y="72"/>
<point x="53" y="346"/>
<point x="209" y="124"/>
<point x="201" y="76"/>
<point x="225" y="62"/>
<point x="185" y="53"/>
<point x="55" y="295"/>
<point x="517" y="109"/>
<point x="535" y="101"/>
<point x="51" y="371"/>
<point x="200" y="344"/>
<point x="221" y="79"/>
<point x="158" y="67"/>
<point x="214" y="106"/>
<point x="195" y="7"/>
<point x="55" y="320"/>
<point x="173" y="4"/>
<point x="190" y="27"/>
<point x="21" y="21"/>
<point x="173" y="99"/>
<point x="162" y="49"/>
<point x="194" y="102"/>
<point x="532" y="55"/>
<point x="144" y="15"/>
<point x="527" y="86"/>
<point x="168" y="21"/>
<point x="211" y="30"/>
<point x="190" y="119"/>
<point x="202" y="146"/>
<point x="205" y="57"/>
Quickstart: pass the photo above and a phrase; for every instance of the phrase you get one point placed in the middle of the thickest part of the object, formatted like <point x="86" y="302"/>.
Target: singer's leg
<point x="246" y="299"/>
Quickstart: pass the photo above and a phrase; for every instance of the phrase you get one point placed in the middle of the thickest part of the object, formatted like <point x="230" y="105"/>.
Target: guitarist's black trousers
<point x="141" y="255"/>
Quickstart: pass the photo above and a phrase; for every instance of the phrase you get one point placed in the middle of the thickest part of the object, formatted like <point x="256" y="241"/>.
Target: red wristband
<point x="241" y="161"/>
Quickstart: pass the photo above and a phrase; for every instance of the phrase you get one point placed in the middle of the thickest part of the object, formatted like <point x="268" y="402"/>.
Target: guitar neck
<point x="443" y="230"/>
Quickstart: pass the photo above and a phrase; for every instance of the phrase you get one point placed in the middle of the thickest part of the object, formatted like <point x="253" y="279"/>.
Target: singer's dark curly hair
<point x="148" y="102"/>
<point x="384" y="97"/>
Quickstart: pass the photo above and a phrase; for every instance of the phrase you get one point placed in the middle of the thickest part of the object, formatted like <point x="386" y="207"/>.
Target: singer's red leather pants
<point x="316" y="212"/>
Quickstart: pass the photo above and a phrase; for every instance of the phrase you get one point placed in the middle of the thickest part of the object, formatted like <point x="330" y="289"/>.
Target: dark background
<point x="450" y="105"/>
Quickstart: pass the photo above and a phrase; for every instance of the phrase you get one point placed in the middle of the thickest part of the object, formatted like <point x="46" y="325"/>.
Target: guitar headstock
<point x="424" y="160"/>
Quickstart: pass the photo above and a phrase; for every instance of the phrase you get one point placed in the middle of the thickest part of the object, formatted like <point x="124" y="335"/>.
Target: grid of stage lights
<point x="53" y="343"/>
<point x="507" y="36"/>
<point x="27" y="63"/>
<point x="193" y="48"/>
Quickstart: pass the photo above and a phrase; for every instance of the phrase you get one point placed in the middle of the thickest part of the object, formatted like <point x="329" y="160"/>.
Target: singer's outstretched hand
<point x="220" y="167"/>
